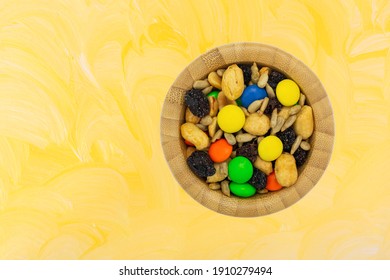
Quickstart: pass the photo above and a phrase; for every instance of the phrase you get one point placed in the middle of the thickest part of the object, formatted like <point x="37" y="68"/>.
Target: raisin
<point x="300" y="156"/>
<point x="272" y="104"/>
<point x="248" y="150"/>
<point x="201" y="164"/>
<point x="197" y="102"/>
<point x="287" y="137"/>
<point x="274" y="78"/>
<point x="246" y="69"/>
<point x="258" y="179"/>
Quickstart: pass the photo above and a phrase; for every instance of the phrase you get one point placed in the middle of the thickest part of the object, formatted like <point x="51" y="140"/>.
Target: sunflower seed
<point x="255" y="73"/>
<point x="245" y="137"/>
<point x="274" y="118"/>
<point x="255" y="105"/>
<point x="217" y="135"/>
<point x="264" y="105"/>
<point x="289" y="122"/>
<point x="302" y="100"/>
<point x="305" y="145"/>
<point x="207" y="90"/>
<point x="296" y="144"/>
<point x="270" y="91"/>
<point x="295" y="109"/>
<point x="230" y="138"/>
<point x="263" y="80"/>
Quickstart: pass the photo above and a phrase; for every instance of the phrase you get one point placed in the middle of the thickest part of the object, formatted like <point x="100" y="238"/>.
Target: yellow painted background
<point x="82" y="173"/>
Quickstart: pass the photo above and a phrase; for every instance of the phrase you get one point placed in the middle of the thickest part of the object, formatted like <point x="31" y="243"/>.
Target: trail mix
<point x="247" y="130"/>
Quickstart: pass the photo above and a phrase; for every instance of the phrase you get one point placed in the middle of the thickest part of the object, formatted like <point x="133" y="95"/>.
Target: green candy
<point x="213" y="94"/>
<point x="238" y="101"/>
<point x="240" y="169"/>
<point x="242" y="190"/>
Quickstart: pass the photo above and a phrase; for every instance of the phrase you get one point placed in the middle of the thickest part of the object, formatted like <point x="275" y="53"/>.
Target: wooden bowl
<point x="172" y="117"/>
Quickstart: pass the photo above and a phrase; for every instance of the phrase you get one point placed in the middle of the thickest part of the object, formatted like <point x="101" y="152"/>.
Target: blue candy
<point x="252" y="93"/>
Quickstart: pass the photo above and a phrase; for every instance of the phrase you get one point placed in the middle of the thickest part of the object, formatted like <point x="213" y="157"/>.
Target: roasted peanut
<point x="264" y="166"/>
<point x="286" y="170"/>
<point x="201" y="84"/>
<point x="221" y="172"/>
<point x="195" y="135"/>
<point x="214" y="80"/>
<point x="190" y="117"/>
<point x="257" y="124"/>
<point x="233" y="82"/>
<point x="304" y="125"/>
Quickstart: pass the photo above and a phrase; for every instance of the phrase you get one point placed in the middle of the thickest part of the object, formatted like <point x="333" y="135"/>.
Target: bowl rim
<point x="322" y="138"/>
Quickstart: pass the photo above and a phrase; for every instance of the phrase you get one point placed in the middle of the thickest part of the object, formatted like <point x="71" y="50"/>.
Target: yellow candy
<point x="287" y="92"/>
<point x="270" y="148"/>
<point x="231" y="118"/>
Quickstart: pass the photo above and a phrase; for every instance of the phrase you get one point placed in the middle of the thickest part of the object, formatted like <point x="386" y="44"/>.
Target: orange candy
<point x="220" y="150"/>
<point x="272" y="183"/>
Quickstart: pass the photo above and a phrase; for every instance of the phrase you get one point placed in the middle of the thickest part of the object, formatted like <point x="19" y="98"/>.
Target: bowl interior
<point x="172" y="117"/>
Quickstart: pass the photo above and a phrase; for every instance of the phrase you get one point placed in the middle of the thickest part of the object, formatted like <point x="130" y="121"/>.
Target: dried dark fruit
<point x="287" y="137"/>
<point x="258" y="180"/>
<point x="197" y="102"/>
<point x="248" y="150"/>
<point x="274" y="78"/>
<point x="246" y="69"/>
<point x="272" y="104"/>
<point x="300" y="156"/>
<point x="201" y="164"/>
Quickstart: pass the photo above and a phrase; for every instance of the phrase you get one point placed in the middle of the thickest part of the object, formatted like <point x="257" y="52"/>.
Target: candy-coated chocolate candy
<point x="188" y="143"/>
<point x="213" y="94"/>
<point x="272" y="183"/>
<point x="238" y="101"/>
<point x="252" y="93"/>
<point x="240" y="169"/>
<point x="231" y="118"/>
<point x="220" y="150"/>
<point x="270" y="148"/>
<point x="242" y="190"/>
<point x="287" y="92"/>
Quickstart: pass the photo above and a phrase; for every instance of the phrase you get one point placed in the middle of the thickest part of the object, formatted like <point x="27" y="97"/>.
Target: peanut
<point x="213" y="106"/>
<point x="201" y="84"/>
<point x="233" y="82"/>
<point x="264" y="166"/>
<point x="221" y="172"/>
<point x="213" y="127"/>
<point x="257" y="124"/>
<point x="286" y="170"/>
<point x="214" y="80"/>
<point x="190" y="117"/>
<point x="195" y="135"/>
<point x="304" y="125"/>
